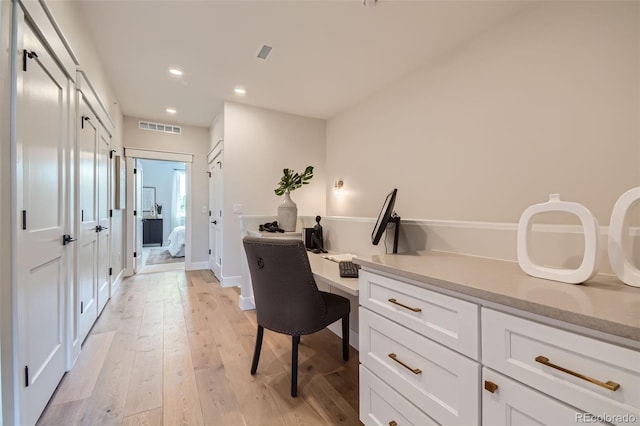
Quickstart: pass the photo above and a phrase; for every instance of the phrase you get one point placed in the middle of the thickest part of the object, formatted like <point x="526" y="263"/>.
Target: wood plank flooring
<point x="173" y="348"/>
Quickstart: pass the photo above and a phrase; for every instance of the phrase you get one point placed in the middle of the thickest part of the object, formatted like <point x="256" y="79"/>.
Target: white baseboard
<point x="116" y="283"/>
<point x="231" y="281"/>
<point x="246" y="303"/>
<point x="354" y="337"/>
<point x="197" y="266"/>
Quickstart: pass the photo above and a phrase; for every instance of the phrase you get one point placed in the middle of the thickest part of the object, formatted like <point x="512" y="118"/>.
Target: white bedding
<point x="176" y="242"/>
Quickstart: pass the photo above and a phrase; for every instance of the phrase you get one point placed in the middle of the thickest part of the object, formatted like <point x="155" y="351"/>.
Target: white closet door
<point x="216" y="215"/>
<point x="103" y="234"/>
<point x="138" y="260"/>
<point x="42" y="275"/>
<point x="88" y="247"/>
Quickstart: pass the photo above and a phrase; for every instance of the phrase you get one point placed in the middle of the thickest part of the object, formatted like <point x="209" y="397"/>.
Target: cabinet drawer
<point x="512" y="403"/>
<point x="381" y="405"/>
<point x="445" y="319"/>
<point x="443" y="383"/>
<point x="544" y="358"/>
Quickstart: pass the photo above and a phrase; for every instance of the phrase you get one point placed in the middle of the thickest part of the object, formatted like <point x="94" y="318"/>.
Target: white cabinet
<point x="409" y="340"/>
<point x="507" y="402"/>
<point x="583" y="372"/>
<point x="431" y="357"/>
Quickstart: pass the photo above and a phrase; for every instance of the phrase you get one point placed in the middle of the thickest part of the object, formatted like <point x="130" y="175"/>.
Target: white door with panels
<point x="215" y="219"/>
<point x="42" y="278"/>
<point x="138" y="225"/>
<point x="103" y="218"/>
<point x="87" y="137"/>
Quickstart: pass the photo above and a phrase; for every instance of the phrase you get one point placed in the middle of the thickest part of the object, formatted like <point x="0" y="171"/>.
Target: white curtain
<point x="178" y="199"/>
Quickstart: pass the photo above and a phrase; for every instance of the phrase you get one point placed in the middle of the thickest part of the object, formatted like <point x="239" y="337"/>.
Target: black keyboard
<point x="348" y="269"/>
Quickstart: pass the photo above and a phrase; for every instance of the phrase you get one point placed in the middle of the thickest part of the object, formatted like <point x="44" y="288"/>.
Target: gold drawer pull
<point x="612" y="386"/>
<point x="395" y="302"/>
<point x="490" y="386"/>
<point x="413" y="370"/>
<point x="393" y="423"/>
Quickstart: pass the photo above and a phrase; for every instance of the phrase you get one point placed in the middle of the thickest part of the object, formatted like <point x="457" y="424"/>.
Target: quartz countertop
<point x="603" y="304"/>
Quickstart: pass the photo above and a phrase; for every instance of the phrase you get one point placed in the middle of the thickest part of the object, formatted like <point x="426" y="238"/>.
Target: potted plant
<point x="288" y="210"/>
<point x="158" y="211"/>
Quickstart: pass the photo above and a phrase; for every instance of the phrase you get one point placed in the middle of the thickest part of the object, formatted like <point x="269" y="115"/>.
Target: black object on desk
<point x="348" y="269"/>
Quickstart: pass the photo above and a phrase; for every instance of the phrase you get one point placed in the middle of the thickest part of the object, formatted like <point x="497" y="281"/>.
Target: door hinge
<point x="209" y="173"/>
<point x="135" y="171"/>
<point x="135" y="212"/>
<point x="111" y="213"/>
<point x="81" y="215"/>
<point x="209" y="251"/>
<point x="135" y="254"/>
<point x="111" y="153"/>
<point x="26" y="376"/>
<point x="209" y="212"/>
<point x="27" y="55"/>
<point x="81" y="307"/>
<point x="220" y="213"/>
<point x="83" y="119"/>
<point x="110" y="271"/>
<point x="24" y="219"/>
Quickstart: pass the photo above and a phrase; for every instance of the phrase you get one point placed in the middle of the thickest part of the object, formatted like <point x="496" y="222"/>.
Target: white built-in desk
<point x="326" y="271"/>
<point x="452" y="339"/>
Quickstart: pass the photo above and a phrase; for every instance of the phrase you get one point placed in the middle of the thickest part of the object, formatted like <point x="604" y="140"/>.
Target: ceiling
<point x="327" y="54"/>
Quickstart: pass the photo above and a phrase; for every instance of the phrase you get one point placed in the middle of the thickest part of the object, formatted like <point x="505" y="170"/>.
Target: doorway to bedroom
<point x="163" y="201"/>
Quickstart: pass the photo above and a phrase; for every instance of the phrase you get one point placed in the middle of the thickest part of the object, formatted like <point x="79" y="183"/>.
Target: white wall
<point x="68" y="17"/>
<point x="545" y="102"/>
<point x="258" y="144"/>
<point x="193" y="140"/>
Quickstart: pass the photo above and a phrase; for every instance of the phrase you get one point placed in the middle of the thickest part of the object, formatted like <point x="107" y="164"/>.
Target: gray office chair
<point x="287" y="298"/>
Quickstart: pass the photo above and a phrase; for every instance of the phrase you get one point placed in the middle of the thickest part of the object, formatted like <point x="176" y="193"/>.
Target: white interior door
<point x="103" y="232"/>
<point x="42" y="268"/>
<point x="212" y="221"/>
<point x="138" y="260"/>
<point x="88" y="238"/>
<point x="215" y="225"/>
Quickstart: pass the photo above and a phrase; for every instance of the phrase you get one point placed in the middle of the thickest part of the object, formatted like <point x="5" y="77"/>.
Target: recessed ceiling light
<point x="240" y="91"/>
<point x="171" y="110"/>
<point x="175" y="71"/>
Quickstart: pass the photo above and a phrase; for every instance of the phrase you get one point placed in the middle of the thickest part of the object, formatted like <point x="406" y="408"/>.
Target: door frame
<point x="131" y="154"/>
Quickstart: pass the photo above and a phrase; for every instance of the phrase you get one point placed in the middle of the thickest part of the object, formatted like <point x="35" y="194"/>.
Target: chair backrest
<point x="286" y="296"/>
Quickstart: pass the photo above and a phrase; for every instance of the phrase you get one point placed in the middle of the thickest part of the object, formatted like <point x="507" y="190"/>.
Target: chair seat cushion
<point x="337" y="307"/>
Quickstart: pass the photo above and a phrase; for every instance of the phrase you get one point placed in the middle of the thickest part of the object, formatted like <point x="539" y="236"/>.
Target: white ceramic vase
<point x="287" y="213"/>
<point x="620" y="247"/>
<point x="591" y="258"/>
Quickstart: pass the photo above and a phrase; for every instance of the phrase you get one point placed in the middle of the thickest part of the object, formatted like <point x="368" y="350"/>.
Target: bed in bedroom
<point x="176" y="242"/>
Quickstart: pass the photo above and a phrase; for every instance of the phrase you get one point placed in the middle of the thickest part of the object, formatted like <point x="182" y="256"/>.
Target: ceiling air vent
<point x="157" y="127"/>
<point x="264" y="51"/>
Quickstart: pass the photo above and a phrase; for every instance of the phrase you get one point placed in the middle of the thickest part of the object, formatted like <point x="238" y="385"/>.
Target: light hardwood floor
<point x="173" y="348"/>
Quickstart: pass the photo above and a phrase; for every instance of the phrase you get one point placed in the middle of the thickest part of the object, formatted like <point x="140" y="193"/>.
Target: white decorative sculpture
<point x="590" y="260"/>
<point x="620" y="247"/>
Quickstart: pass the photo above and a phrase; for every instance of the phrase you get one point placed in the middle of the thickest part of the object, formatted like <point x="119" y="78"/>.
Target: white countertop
<point x="603" y="304"/>
<point x="327" y="270"/>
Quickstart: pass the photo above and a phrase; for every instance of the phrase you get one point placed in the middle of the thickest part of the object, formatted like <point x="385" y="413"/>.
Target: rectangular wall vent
<point x="157" y="127"/>
<point x="264" y="52"/>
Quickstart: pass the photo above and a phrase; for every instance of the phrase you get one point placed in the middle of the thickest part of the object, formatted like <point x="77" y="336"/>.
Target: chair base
<point x="295" y="342"/>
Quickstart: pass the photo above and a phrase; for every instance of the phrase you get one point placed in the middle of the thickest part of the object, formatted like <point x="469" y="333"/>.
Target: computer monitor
<point x="386" y="216"/>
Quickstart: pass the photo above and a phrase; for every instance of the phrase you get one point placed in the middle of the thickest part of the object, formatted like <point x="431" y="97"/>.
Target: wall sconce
<point x="337" y="186"/>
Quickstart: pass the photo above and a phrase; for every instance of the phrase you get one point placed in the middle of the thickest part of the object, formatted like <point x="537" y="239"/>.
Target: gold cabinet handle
<point x="393" y="423"/>
<point x="413" y="370"/>
<point x="612" y="386"/>
<point x="490" y="386"/>
<point x="395" y="302"/>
